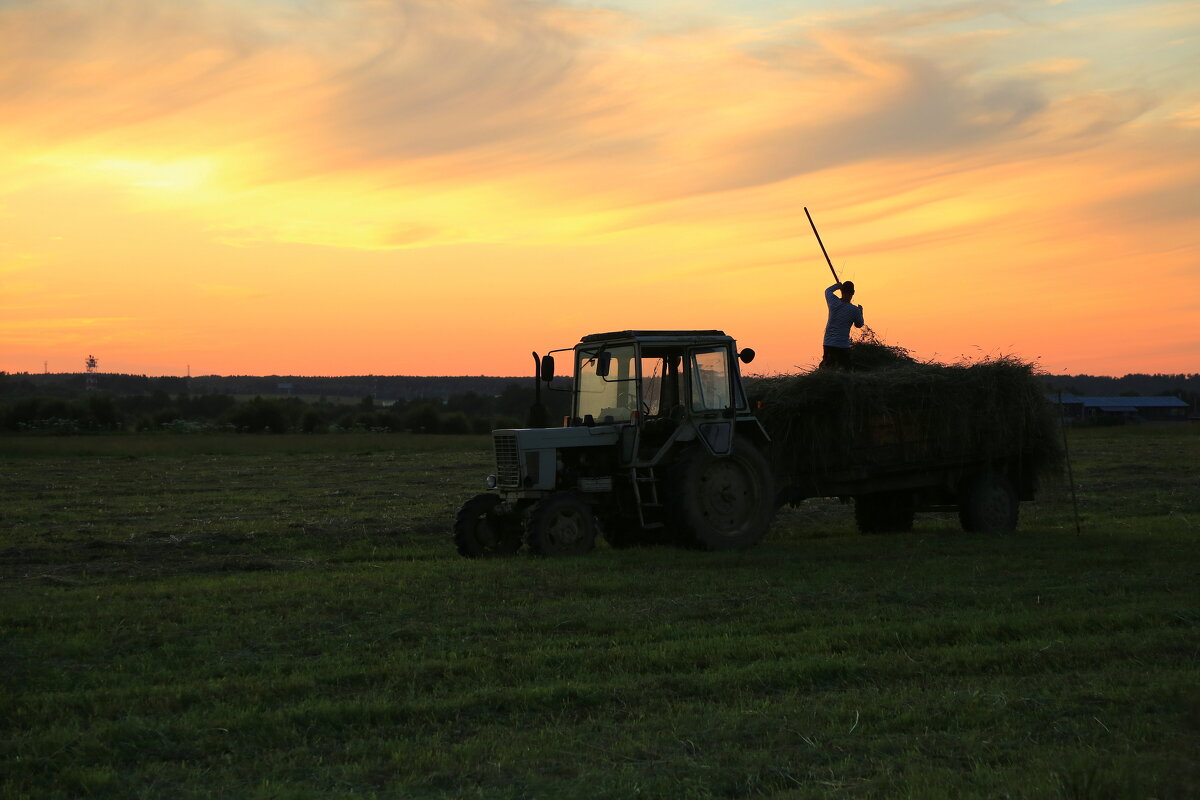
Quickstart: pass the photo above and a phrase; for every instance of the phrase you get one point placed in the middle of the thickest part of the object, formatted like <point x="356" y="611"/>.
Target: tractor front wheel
<point x="482" y="531"/>
<point x="560" y="524"/>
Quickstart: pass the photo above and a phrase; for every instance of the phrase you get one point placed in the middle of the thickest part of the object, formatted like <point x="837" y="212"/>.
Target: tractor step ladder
<point x="644" y="477"/>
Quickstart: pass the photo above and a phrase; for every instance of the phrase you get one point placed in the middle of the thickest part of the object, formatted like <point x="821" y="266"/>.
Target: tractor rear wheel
<point x="482" y="531"/>
<point x="988" y="504"/>
<point x="560" y="524"/>
<point x="721" y="502"/>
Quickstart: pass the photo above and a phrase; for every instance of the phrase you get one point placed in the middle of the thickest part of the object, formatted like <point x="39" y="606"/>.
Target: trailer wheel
<point x="480" y="531"/>
<point x="988" y="504"/>
<point x="886" y="512"/>
<point x="721" y="503"/>
<point x="560" y="524"/>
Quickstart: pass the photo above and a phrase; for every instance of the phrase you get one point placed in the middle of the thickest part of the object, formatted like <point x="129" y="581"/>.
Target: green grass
<point x="285" y="617"/>
<point x="239" y="444"/>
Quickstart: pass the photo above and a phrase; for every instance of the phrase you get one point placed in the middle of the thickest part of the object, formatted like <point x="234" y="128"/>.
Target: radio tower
<point x="90" y="381"/>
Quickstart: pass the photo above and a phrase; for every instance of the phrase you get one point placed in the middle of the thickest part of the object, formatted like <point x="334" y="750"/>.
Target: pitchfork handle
<point x="836" y="279"/>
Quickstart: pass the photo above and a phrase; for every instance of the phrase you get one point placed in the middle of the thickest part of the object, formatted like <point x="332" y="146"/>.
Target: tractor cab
<point x="660" y="438"/>
<point x="660" y="387"/>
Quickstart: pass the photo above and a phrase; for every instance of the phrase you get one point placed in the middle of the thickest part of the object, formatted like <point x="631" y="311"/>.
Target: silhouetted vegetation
<point x="52" y="404"/>
<point x="61" y="403"/>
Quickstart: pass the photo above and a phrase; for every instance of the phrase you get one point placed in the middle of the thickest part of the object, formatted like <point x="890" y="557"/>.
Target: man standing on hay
<point x="842" y="314"/>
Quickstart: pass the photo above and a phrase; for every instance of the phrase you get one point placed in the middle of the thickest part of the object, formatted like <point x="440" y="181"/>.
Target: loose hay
<point x="892" y="407"/>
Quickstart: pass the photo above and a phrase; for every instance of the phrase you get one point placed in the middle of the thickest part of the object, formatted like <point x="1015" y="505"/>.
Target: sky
<point x="440" y="187"/>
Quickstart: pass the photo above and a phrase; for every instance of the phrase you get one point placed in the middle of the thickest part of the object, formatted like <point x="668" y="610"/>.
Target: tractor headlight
<point x="491" y="482"/>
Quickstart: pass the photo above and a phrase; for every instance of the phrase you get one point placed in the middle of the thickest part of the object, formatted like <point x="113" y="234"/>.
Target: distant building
<point x="1128" y="409"/>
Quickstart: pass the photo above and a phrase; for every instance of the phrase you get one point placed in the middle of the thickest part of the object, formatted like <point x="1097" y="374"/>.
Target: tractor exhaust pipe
<point x="538" y="416"/>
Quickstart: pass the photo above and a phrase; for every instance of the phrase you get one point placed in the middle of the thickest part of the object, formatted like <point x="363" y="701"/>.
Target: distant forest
<point x="78" y="403"/>
<point x="1185" y="386"/>
<point x="69" y="403"/>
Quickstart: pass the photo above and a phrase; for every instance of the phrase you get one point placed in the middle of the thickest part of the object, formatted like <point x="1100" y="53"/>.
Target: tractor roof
<point x="653" y="336"/>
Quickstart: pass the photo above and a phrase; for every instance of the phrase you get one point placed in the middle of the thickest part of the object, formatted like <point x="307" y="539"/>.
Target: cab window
<point x="710" y="379"/>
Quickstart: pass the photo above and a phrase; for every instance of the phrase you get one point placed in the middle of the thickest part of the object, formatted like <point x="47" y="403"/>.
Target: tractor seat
<point x="656" y="430"/>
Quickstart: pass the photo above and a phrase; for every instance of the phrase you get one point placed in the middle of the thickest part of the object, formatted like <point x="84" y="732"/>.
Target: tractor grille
<point x="508" y="468"/>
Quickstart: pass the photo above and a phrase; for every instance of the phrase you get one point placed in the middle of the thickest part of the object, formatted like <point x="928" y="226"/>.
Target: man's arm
<point x="830" y="298"/>
<point x="859" y="321"/>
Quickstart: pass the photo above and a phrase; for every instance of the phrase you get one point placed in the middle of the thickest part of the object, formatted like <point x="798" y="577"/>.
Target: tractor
<point x="661" y="447"/>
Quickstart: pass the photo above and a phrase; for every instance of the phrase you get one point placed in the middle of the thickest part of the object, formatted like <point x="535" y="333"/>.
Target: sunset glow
<point x="438" y="187"/>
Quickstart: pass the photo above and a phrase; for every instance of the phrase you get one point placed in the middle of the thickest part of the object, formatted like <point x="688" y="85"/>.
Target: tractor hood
<point x="526" y="458"/>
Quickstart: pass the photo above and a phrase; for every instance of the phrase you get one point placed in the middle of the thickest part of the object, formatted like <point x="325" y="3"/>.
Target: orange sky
<point x="441" y="186"/>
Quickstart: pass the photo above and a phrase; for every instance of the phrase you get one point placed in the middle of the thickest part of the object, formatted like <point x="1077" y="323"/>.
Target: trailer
<point x="663" y="445"/>
<point x="893" y="475"/>
<point x="903" y="437"/>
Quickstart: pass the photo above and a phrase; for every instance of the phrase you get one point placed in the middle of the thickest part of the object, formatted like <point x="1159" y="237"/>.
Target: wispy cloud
<point x="421" y="93"/>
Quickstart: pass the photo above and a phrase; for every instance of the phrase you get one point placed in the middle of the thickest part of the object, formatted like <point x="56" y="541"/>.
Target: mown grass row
<point x="298" y="626"/>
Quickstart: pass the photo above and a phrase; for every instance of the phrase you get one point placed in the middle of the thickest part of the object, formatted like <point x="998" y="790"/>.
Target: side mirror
<point x="603" y="364"/>
<point x="547" y="371"/>
<point x="746" y="356"/>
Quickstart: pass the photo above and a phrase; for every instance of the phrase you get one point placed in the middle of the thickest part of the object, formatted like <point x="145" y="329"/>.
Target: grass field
<point x="285" y="617"/>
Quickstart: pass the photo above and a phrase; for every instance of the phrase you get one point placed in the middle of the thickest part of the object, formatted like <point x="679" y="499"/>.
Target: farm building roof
<point x="1127" y="404"/>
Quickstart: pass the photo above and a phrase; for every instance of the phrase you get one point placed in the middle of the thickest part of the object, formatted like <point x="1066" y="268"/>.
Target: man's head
<point x="847" y="290"/>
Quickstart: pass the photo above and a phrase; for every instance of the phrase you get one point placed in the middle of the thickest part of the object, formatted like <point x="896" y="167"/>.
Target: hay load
<point x="894" y="409"/>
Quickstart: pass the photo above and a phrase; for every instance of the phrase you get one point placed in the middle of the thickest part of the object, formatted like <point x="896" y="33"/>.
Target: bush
<point x="454" y="422"/>
<point x="88" y="413"/>
<point x="165" y="417"/>
<point x="422" y="418"/>
<point x="313" y="421"/>
<point x="206" y="406"/>
<point x="259" y="416"/>
<point x="100" y="412"/>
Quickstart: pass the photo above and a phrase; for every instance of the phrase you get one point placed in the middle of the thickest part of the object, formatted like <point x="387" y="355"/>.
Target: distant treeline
<point x="64" y="402"/>
<point x="384" y="388"/>
<point x="1185" y="386"/>
<point x="138" y="403"/>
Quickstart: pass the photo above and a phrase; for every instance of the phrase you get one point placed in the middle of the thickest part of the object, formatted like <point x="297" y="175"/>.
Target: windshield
<point x="607" y="399"/>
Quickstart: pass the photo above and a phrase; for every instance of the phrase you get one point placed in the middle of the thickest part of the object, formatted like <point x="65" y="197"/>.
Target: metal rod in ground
<point x="1062" y="421"/>
<point x="823" y="250"/>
